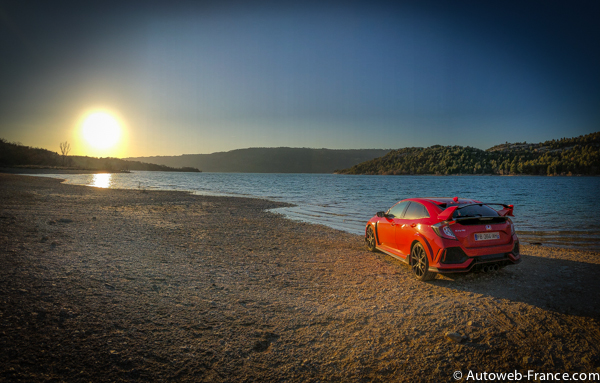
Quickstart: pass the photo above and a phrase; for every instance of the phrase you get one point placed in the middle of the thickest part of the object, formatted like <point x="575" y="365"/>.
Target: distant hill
<point x="270" y="160"/>
<point x="17" y="155"/>
<point x="567" y="156"/>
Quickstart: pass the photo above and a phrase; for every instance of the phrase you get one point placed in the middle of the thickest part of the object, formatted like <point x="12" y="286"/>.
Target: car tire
<point x="420" y="263"/>
<point x="370" y="240"/>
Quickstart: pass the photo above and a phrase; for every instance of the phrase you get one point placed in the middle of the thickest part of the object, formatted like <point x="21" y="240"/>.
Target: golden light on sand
<point x="101" y="130"/>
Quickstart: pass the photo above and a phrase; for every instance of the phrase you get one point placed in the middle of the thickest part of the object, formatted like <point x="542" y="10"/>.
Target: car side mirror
<point x="381" y="214"/>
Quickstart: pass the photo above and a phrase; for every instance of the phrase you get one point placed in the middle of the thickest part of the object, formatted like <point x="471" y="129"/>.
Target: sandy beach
<point x="127" y="285"/>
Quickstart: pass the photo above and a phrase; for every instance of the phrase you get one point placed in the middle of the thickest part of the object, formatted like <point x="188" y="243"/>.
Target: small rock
<point x="454" y="336"/>
<point x="65" y="314"/>
<point x="134" y="373"/>
<point x="585" y="360"/>
<point x="93" y="218"/>
<point x="470" y="323"/>
<point x="261" y="345"/>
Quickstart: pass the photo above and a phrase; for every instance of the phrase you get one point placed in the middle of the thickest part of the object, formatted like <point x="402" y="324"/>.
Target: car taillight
<point x="512" y="227"/>
<point x="443" y="230"/>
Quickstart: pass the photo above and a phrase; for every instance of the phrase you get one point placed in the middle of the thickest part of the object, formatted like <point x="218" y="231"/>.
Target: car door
<point x="409" y="225"/>
<point x="386" y="227"/>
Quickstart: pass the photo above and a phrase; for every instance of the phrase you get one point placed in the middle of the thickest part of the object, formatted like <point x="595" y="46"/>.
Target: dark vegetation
<point x="17" y="155"/>
<point x="271" y="160"/>
<point x="567" y="156"/>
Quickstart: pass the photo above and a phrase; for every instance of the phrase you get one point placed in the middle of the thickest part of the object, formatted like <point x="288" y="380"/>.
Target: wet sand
<point x="127" y="285"/>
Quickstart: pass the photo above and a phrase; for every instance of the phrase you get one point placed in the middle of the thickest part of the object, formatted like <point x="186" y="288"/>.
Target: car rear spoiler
<point x="507" y="210"/>
<point x="447" y="213"/>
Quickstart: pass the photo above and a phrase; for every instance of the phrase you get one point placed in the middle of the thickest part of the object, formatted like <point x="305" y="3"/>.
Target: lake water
<point x="555" y="211"/>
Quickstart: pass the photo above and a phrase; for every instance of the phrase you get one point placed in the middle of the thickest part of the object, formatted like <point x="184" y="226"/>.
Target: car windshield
<point x="475" y="211"/>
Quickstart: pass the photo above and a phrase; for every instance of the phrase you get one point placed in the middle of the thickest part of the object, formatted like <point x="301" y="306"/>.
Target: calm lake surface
<point x="555" y="211"/>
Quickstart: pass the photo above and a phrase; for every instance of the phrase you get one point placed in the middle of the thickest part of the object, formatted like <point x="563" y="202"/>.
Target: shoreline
<point x="119" y="285"/>
<point x="33" y="170"/>
<point x="26" y="171"/>
<point x="470" y="175"/>
<point x="534" y="238"/>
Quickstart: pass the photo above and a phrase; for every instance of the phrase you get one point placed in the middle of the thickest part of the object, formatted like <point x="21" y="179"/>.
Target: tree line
<point x="567" y="156"/>
<point x="14" y="154"/>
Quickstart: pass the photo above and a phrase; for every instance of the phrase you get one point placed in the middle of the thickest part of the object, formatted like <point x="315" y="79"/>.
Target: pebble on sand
<point x="454" y="336"/>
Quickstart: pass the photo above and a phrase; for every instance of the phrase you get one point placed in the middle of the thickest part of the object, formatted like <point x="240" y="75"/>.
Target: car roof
<point x="444" y="200"/>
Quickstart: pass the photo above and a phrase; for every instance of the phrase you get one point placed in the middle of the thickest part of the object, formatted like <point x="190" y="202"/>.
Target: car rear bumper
<point x="479" y="262"/>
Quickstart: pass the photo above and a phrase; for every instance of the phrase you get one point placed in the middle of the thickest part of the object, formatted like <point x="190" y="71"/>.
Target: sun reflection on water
<point x="101" y="180"/>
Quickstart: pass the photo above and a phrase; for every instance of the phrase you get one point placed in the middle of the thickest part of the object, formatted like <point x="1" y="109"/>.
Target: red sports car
<point x="445" y="235"/>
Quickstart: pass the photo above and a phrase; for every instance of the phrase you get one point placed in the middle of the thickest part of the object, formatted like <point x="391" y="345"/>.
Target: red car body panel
<point x="480" y="240"/>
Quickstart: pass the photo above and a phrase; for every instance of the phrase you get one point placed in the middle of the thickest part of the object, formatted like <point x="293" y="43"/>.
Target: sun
<point x="101" y="130"/>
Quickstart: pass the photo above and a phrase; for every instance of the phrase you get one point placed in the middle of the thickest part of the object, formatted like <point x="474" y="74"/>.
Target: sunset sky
<point x="202" y="76"/>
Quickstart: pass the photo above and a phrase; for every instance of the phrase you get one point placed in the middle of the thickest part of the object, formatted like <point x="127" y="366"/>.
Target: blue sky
<point x="202" y="77"/>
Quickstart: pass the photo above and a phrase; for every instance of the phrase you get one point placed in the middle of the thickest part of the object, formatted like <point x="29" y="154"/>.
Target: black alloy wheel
<point x="370" y="239"/>
<point x="420" y="263"/>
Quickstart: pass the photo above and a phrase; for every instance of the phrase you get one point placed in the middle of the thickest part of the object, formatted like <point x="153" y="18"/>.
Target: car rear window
<point x="475" y="211"/>
<point x="415" y="211"/>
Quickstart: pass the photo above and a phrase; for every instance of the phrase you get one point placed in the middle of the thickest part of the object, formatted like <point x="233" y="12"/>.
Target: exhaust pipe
<point x="490" y="268"/>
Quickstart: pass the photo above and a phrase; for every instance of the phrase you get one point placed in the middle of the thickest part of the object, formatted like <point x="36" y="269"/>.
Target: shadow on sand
<point x="563" y="286"/>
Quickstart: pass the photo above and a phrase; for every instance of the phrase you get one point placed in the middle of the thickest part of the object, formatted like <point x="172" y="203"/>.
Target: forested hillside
<point x="17" y="155"/>
<point x="567" y="156"/>
<point x="271" y="160"/>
